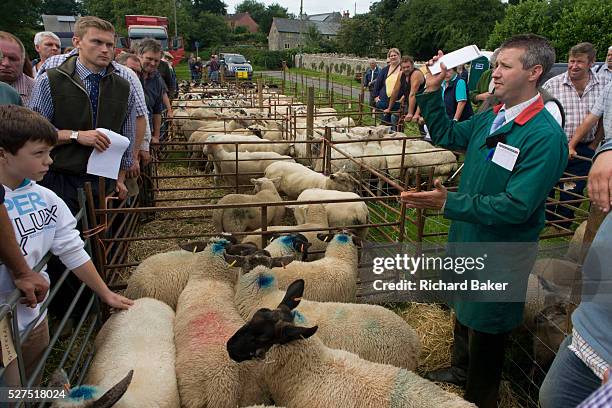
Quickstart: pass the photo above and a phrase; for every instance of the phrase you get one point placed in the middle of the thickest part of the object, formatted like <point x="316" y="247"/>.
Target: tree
<point x="22" y="18"/>
<point x="210" y="6"/>
<point x="529" y="16"/>
<point x="360" y="35"/>
<point x="583" y="20"/>
<point x="564" y="22"/>
<point x="62" y="7"/>
<point x="253" y="7"/>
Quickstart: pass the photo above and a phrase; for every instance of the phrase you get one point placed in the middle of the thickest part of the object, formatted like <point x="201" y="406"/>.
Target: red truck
<point x="155" y="27"/>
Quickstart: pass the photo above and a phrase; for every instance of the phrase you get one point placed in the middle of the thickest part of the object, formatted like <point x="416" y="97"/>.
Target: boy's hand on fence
<point x="34" y="287"/>
<point x="116" y="300"/>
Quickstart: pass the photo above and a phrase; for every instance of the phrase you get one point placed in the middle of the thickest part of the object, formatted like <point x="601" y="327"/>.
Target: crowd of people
<point x="51" y="108"/>
<point x="211" y="68"/>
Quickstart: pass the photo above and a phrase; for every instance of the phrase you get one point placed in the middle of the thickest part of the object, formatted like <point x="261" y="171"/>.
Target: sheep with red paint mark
<point x="370" y="331"/>
<point x="205" y="319"/>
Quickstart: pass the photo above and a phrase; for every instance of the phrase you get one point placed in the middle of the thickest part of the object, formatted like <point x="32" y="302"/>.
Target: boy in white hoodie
<point x="42" y="223"/>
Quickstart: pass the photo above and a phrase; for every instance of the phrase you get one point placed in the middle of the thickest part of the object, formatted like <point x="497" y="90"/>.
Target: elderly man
<point x="515" y="153"/>
<point x="577" y="89"/>
<point x="46" y="44"/>
<point x="11" y="66"/>
<point x="369" y="79"/>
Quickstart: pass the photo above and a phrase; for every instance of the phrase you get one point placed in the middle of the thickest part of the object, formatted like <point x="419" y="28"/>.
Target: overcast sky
<point x="312" y="6"/>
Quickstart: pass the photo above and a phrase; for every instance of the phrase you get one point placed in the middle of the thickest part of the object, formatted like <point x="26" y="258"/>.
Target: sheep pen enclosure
<point x="219" y="138"/>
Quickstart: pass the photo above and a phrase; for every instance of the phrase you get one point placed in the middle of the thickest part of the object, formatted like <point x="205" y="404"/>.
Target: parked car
<point x="235" y="66"/>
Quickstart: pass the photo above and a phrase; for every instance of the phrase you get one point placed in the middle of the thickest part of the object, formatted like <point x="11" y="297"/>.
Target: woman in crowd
<point x="385" y="84"/>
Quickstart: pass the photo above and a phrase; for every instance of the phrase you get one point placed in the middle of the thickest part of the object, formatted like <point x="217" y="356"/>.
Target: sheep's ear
<point x="114" y="394"/>
<point x="194" y="246"/>
<point x="59" y="379"/>
<point x="356" y="241"/>
<point x="254" y="181"/>
<point x="294" y="294"/>
<point x="290" y="333"/>
<point x="282" y="261"/>
<point x="325" y="237"/>
<point x="234" y="260"/>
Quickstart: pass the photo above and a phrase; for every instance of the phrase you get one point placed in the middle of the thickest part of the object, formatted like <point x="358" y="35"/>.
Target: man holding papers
<point x="515" y="153"/>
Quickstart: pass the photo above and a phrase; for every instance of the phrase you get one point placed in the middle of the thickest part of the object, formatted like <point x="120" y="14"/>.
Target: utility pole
<point x="175" y="22"/>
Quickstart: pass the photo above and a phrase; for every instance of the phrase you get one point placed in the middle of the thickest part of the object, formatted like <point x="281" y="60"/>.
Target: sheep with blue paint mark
<point x="314" y="217"/>
<point x="205" y="318"/>
<point x="301" y="371"/>
<point x="330" y="279"/>
<point x="85" y="396"/>
<point x="371" y="331"/>
<point x="127" y="341"/>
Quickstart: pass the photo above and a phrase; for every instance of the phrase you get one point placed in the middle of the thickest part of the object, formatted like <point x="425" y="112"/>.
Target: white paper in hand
<point x="456" y="58"/>
<point x="107" y="163"/>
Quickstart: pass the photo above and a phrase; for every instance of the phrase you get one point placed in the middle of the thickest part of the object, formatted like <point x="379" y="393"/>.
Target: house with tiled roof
<point x="242" y="20"/>
<point x="288" y="33"/>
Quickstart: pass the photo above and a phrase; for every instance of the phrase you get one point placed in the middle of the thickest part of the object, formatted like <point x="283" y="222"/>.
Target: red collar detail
<point x="527" y="114"/>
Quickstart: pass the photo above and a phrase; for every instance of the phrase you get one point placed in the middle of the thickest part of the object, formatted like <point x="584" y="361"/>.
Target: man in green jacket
<point x="515" y="153"/>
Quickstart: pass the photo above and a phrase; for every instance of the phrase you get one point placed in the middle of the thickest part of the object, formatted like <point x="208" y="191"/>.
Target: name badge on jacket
<point x="505" y="156"/>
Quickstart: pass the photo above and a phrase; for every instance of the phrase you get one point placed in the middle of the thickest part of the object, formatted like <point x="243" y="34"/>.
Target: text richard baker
<point x="439" y="285"/>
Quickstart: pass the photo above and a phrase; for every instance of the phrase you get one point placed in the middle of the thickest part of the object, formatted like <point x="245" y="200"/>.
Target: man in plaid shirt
<point x="577" y="89"/>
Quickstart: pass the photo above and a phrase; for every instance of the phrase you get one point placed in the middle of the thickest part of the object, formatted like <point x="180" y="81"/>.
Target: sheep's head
<point x="341" y="181"/>
<point x="269" y="327"/>
<point x="295" y="242"/>
<point x="199" y="246"/>
<point x="342" y="237"/>
<point x="264" y="183"/>
<point x="88" y="396"/>
<point x="259" y="257"/>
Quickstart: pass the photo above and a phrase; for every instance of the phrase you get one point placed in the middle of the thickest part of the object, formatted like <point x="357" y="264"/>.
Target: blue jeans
<point x="569" y="381"/>
<point x="385" y="117"/>
<point x="576" y="167"/>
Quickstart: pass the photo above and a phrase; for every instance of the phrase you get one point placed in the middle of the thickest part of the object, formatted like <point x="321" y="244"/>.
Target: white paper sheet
<point x="456" y="58"/>
<point x="107" y="163"/>
<point x="505" y="156"/>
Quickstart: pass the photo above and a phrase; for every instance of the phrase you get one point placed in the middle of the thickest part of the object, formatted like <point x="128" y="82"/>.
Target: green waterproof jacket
<point x="493" y="204"/>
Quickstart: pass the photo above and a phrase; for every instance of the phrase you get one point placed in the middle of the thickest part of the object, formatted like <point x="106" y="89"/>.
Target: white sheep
<point x="295" y="178"/>
<point x="314" y="217"/>
<point x="205" y="319"/>
<point x="419" y="157"/>
<point x="541" y="294"/>
<point x="330" y="279"/>
<point x="261" y="145"/>
<point x="161" y="276"/>
<point x="371" y="331"/>
<point x="558" y="271"/>
<point x="300" y="371"/>
<point x="576" y="245"/>
<point x="338" y="214"/>
<point x="294" y="244"/>
<point x="248" y="162"/>
<point x="249" y="218"/>
<point x="126" y="342"/>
